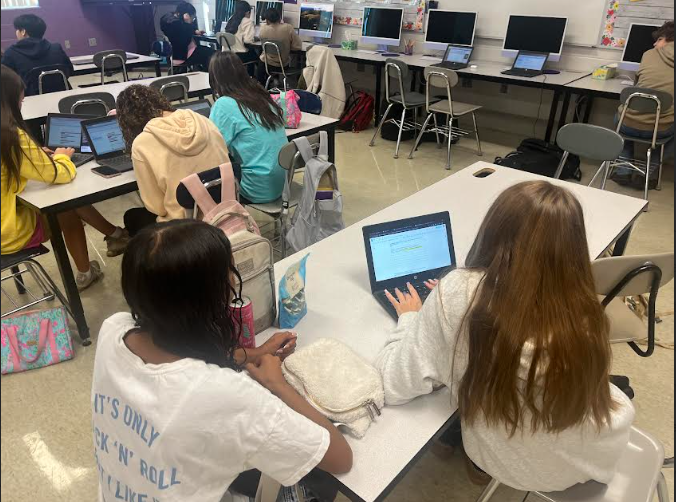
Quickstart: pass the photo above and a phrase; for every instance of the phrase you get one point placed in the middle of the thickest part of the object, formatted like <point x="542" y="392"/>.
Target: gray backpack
<point x="320" y="209"/>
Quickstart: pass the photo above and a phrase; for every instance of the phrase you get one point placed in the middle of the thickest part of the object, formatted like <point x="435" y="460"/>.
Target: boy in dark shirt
<point x="180" y="27"/>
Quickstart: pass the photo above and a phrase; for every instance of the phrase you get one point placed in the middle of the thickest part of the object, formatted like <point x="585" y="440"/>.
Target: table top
<point x="612" y="87"/>
<point x="83" y="63"/>
<point x="36" y="107"/>
<point x="339" y="261"/>
<point x="89" y="187"/>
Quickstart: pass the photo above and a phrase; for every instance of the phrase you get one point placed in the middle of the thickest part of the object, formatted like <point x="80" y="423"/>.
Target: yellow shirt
<point x="18" y="221"/>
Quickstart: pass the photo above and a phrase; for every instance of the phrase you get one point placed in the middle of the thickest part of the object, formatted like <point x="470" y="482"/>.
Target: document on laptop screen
<point x="106" y="137"/>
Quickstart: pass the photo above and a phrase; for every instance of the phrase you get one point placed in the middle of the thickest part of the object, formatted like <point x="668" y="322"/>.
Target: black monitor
<point x="639" y="41"/>
<point x="382" y="25"/>
<point x="262" y="7"/>
<point x="447" y="27"/>
<point x="535" y="34"/>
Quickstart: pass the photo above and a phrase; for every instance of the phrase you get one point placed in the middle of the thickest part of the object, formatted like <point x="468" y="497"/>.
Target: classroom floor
<point x="46" y="445"/>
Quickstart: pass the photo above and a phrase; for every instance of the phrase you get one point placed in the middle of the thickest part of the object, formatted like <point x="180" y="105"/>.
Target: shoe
<point x="475" y="475"/>
<point x="117" y="245"/>
<point x="86" y="279"/>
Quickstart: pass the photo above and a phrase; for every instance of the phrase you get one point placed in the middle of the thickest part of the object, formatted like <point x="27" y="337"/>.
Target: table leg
<point x="552" y="115"/>
<point x="621" y="244"/>
<point x="158" y="69"/>
<point x="588" y="108"/>
<point x="332" y="145"/>
<point x="563" y="118"/>
<point x="63" y="262"/>
<point x="379" y="83"/>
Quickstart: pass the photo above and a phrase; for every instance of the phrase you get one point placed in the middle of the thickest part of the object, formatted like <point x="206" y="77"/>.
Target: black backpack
<point x="539" y="157"/>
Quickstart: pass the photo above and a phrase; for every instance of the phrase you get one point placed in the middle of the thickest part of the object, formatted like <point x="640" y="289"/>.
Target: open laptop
<point x="105" y="137"/>
<point x="412" y="250"/>
<point x="65" y="131"/>
<point x="528" y="64"/>
<point x="456" y="57"/>
<point x="202" y="106"/>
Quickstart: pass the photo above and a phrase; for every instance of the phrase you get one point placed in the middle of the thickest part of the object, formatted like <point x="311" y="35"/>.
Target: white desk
<point x="139" y="60"/>
<point x="37" y="107"/>
<point x="340" y="305"/>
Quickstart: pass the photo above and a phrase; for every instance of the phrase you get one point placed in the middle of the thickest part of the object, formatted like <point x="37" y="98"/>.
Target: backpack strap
<point x="227" y="183"/>
<point x="199" y="194"/>
<point x="323" y="145"/>
<point x="304" y="147"/>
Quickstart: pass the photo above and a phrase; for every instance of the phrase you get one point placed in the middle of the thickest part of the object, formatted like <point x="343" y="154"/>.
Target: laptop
<point x="105" y="137"/>
<point x="202" y="106"/>
<point x="528" y="64"/>
<point x="456" y="57"/>
<point x="412" y="250"/>
<point x="65" y="131"/>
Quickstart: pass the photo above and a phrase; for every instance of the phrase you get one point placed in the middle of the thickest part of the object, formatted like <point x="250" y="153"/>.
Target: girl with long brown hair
<point x="521" y="340"/>
<point x="22" y="160"/>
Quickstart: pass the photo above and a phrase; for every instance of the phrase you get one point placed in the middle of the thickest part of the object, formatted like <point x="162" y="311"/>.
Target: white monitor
<point x="639" y="40"/>
<point x="262" y="6"/>
<point x="535" y="34"/>
<point x="316" y="20"/>
<point x="446" y="27"/>
<point x="382" y="26"/>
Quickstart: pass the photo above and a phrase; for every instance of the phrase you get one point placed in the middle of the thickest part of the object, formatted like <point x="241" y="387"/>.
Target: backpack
<point x="309" y="102"/>
<point x="539" y="157"/>
<point x="320" y="208"/>
<point x="358" y="113"/>
<point x="252" y="254"/>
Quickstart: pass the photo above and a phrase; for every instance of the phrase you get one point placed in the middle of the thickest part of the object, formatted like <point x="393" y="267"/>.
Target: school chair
<point x="114" y="60"/>
<point x="226" y="40"/>
<point x="174" y="87"/>
<point x="23" y="262"/>
<point x="651" y="101"/>
<point x="443" y="78"/>
<point x="276" y="49"/>
<point x="50" y="78"/>
<point x="637" y="479"/>
<point x="617" y="277"/>
<point x="97" y="104"/>
<point x="410" y="101"/>
<point x="591" y="142"/>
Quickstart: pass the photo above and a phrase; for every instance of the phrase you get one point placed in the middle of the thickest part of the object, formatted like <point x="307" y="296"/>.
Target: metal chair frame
<point x="110" y="57"/>
<point x="84" y="102"/>
<point x="51" y="72"/>
<point x="265" y="46"/>
<point x="170" y="85"/>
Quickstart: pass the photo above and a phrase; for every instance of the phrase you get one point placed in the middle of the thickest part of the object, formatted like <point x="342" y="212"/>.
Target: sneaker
<point x="86" y="279"/>
<point x="117" y="245"/>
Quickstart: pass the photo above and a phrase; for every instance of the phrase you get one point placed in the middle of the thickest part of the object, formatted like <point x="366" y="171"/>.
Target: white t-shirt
<point x="183" y="431"/>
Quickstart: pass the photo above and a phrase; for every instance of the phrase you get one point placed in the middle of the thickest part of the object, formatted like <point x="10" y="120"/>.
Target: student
<point x="166" y="145"/>
<point x="520" y="338"/>
<point x="180" y="27"/>
<point x="286" y="38"/>
<point x="33" y="51"/>
<point x="23" y="160"/>
<point x="656" y="72"/>
<point x="253" y="127"/>
<point x="174" y="364"/>
<point x="241" y="25"/>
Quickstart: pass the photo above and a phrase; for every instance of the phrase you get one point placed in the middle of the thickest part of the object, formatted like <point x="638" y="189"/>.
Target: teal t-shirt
<point x="255" y="147"/>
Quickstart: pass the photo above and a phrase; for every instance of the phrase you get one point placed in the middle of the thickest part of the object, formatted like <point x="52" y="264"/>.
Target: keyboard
<point x="121" y="163"/>
<point x="522" y="73"/>
<point x="80" y="159"/>
<point x="422" y="290"/>
<point x="452" y="66"/>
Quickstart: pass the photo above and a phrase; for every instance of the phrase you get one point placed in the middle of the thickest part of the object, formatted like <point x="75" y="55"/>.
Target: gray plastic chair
<point x="399" y="72"/>
<point x="276" y="49"/>
<point x="443" y="78"/>
<point x="96" y="104"/>
<point x="644" y="100"/>
<point x="226" y="40"/>
<point x="174" y="87"/>
<point x="637" y="479"/>
<point x="591" y="142"/>
<point x="114" y="60"/>
<point x="619" y="276"/>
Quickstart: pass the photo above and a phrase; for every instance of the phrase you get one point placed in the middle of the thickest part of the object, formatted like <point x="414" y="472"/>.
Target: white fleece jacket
<point x="418" y="358"/>
<point x="323" y="76"/>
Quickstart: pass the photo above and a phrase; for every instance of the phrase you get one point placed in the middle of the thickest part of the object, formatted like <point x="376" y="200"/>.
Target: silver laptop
<point x="105" y="137"/>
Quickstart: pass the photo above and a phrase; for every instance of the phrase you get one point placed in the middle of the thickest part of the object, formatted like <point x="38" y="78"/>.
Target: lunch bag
<point x="288" y="102"/>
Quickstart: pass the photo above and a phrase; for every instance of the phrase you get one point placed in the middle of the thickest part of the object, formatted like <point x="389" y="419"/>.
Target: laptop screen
<point x="66" y="132"/>
<point x="203" y="107"/>
<point x="106" y="136"/>
<point x="533" y="62"/>
<point x="456" y="54"/>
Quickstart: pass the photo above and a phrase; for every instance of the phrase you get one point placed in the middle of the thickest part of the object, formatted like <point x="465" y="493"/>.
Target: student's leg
<point x="138" y="218"/>
<point x="200" y="57"/>
<point x="76" y="241"/>
<point x="116" y="238"/>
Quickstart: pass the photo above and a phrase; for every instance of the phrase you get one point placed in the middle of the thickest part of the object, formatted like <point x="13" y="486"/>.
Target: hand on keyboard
<point x="407" y="301"/>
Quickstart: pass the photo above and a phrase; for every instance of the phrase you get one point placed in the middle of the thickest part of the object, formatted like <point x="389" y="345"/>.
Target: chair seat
<point x="459" y="109"/>
<point x="275" y="208"/>
<point x="10" y="260"/>
<point x="625" y="326"/>
<point x="660" y="141"/>
<point x="413" y="99"/>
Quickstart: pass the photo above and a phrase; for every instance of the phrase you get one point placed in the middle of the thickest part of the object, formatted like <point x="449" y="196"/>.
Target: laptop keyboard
<point x="118" y="161"/>
<point x="81" y="158"/>
<point x="422" y="290"/>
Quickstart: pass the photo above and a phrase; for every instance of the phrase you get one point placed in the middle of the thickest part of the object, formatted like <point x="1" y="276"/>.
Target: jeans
<point x="628" y="151"/>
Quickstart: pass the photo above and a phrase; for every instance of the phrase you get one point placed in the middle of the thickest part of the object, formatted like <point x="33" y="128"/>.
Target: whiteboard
<point x="584" y="16"/>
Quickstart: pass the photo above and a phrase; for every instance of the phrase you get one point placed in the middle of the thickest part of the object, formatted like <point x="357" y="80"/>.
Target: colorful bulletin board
<point x="621" y="13"/>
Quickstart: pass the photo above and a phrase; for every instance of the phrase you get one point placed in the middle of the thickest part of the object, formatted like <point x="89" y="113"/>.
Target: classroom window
<point x="19" y="4"/>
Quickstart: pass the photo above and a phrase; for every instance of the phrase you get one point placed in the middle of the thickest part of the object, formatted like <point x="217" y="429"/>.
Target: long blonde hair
<point x="538" y="290"/>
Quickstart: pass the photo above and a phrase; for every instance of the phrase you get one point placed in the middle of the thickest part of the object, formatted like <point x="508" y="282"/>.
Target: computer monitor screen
<point x="530" y="61"/>
<point x="446" y="27"/>
<point x="106" y="136"/>
<point x="262" y="7"/>
<point x="536" y="34"/>
<point x="316" y="20"/>
<point x="203" y="107"/>
<point x="382" y="25"/>
<point x="455" y="54"/>
<point x="639" y="41"/>
<point x="66" y="132"/>
<point x="228" y="11"/>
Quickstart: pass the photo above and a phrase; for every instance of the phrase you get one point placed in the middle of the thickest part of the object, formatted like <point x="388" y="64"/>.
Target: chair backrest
<point x="275" y="48"/>
<point x="291" y="159"/>
<point x="645" y="100"/>
<point x="212" y="182"/>
<point x="441" y="78"/>
<point x="111" y="61"/>
<point x="49" y="78"/>
<point x="227" y="41"/>
<point x="399" y="71"/>
<point x="590" y="141"/>
<point x="93" y="103"/>
<point x="610" y="272"/>
<point x="174" y="88"/>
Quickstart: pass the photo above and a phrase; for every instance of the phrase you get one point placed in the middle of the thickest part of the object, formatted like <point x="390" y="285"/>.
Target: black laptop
<point x="456" y="57"/>
<point x="412" y="250"/>
<point x="528" y="64"/>
<point x="202" y="106"/>
<point x="65" y="131"/>
<point x="105" y="137"/>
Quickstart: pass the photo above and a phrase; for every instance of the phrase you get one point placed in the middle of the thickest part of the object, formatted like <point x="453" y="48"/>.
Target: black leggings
<point x="200" y="58"/>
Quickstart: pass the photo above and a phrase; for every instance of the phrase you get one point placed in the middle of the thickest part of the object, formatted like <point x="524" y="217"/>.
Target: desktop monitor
<point x="261" y="7"/>
<point x="382" y="26"/>
<point x="316" y="20"/>
<point x="535" y="34"/>
<point x="639" y="41"/>
<point x="446" y="27"/>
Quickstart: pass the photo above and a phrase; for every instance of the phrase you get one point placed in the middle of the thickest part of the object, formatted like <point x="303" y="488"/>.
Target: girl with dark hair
<point x="173" y="366"/>
<point x="241" y="25"/>
<point x="252" y="125"/>
<point x="24" y="160"/>
<point x="166" y="145"/>
<point x="180" y="27"/>
<point x="286" y="38"/>
<point x="520" y="338"/>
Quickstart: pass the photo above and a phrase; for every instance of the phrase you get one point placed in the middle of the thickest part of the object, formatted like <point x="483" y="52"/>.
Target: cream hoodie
<point x="169" y="149"/>
<point x="323" y="76"/>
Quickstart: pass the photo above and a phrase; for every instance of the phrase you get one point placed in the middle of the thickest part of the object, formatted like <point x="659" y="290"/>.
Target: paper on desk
<point x="430" y="58"/>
